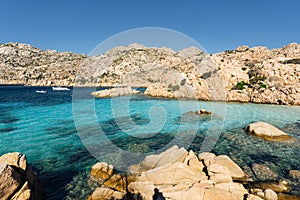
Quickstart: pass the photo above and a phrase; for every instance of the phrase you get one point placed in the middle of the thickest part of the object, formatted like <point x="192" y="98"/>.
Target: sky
<point x="218" y="25"/>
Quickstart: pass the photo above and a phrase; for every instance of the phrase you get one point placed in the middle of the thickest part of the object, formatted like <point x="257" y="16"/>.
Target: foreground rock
<point x="115" y="92"/>
<point x="267" y="132"/>
<point x="177" y="174"/>
<point x="17" y="180"/>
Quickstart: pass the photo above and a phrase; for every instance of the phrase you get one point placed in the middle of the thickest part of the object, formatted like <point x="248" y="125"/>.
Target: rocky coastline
<point x="245" y="74"/>
<point x="180" y="174"/>
<point x="174" y="174"/>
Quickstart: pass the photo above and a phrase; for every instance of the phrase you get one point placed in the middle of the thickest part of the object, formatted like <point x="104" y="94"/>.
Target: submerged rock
<point x="282" y="196"/>
<point x="200" y="112"/>
<point x="295" y="174"/>
<point x="17" y="180"/>
<point x="267" y="132"/>
<point x="263" y="172"/>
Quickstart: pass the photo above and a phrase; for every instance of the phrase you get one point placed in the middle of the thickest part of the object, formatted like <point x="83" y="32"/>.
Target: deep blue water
<point x="61" y="133"/>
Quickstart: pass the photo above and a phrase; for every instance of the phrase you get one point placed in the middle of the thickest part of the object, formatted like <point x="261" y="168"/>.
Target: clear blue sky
<point x="78" y="26"/>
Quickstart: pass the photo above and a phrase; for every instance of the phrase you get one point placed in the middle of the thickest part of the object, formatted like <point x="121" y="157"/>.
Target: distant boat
<point x="60" y="89"/>
<point x="41" y="91"/>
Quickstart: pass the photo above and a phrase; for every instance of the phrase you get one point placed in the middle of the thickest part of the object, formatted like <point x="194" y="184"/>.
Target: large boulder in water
<point x="17" y="180"/>
<point x="267" y="132"/>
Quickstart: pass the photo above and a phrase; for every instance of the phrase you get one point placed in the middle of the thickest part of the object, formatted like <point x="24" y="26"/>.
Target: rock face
<point x="17" y="180"/>
<point x="261" y="75"/>
<point x="177" y="174"/>
<point x="245" y="74"/>
<point x="267" y="132"/>
<point x="24" y="64"/>
<point x="114" y="92"/>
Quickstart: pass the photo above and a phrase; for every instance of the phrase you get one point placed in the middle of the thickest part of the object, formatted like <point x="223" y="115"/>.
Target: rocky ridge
<point x="245" y="74"/>
<point x="25" y="64"/>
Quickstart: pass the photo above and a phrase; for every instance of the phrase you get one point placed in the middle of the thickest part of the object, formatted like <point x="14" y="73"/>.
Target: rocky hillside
<point x="24" y="64"/>
<point x="261" y="75"/>
<point x="245" y="74"/>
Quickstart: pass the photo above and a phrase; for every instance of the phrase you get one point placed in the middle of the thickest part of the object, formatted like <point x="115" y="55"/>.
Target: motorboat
<point x="60" y="89"/>
<point x="41" y="91"/>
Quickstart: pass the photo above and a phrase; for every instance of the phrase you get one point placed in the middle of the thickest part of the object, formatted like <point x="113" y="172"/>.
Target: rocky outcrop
<point x="245" y="74"/>
<point x="25" y="64"/>
<point x="199" y="112"/>
<point x="17" y="180"/>
<point x="179" y="174"/>
<point x="261" y="75"/>
<point x="115" y="92"/>
<point x="267" y="132"/>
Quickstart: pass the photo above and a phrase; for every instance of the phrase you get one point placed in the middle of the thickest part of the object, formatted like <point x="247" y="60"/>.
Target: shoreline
<point x="144" y="88"/>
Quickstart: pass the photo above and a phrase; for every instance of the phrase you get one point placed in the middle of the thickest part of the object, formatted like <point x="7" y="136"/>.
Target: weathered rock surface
<point x="267" y="132"/>
<point x="270" y="195"/>
<point x="115" y="92"/>
<point x="102" y="170"/>
<point x="102" y="193"/>
<point x="185" y="175"/>
<point x="17" y="180"/>
<point x="176" y="174"/>
<point x="235" y="171"/>
<point x="170" y="156"/>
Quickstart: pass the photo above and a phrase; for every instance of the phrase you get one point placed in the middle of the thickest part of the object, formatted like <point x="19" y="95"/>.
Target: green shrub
<point x="229" y="51"/>
<point x="240" y="85"/>
<point x="183" y="81"/>
<point x="173" y="88"/>
<point x="206" y="75"/>
<point x="291" y="61"/>
<point x="262" y="85"/>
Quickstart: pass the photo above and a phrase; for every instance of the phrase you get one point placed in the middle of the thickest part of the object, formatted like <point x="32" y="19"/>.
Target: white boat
<point x="41" y="91"/>
<point x="60" y="89"/>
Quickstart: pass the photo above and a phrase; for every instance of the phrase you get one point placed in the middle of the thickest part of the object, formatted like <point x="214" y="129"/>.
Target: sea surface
<point x="63" y="133"/>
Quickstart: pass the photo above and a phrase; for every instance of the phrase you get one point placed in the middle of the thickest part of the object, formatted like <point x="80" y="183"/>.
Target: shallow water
<point x="60" y="135"/>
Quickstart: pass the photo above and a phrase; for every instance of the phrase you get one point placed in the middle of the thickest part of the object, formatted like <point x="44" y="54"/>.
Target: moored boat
<point x="60" y="89"/>
<point x="41" y="91"/>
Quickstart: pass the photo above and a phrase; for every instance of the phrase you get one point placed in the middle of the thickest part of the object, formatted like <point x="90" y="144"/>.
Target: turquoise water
<point x="61" y="132"/>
